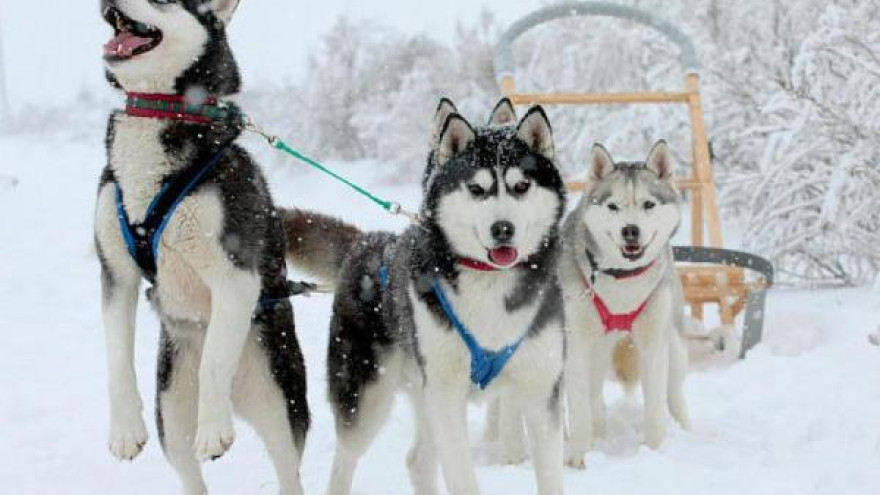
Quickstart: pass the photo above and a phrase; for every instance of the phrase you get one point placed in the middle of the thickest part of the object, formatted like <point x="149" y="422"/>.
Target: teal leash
<point x="277" y="143"/>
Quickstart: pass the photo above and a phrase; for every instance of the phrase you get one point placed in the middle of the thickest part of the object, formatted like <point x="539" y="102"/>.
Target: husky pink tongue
<point x="125" y="44"/>
<point x="503" y="256"/>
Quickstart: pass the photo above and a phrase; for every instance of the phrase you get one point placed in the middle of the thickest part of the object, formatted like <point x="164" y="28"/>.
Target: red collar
<point x="175" y="107"/>
<point x="623" y="322"/>
<point x="481" y="266"/>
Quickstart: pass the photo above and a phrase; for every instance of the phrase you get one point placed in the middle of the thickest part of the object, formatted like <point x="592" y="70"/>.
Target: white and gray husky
<point x="182" y="206"/>
<point x="464" y="306"/>
<point x="619" y="280"/>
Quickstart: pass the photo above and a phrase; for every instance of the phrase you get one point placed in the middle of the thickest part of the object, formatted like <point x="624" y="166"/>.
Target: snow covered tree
<point x="814" y="206"/>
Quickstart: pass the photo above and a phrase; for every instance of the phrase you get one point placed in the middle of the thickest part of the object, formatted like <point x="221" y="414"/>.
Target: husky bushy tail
<point x="626" y="364"/>
<point x="318" y="243"/>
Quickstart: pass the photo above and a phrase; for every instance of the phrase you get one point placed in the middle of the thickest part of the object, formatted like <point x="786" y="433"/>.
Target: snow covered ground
<point x="800" y="416"/>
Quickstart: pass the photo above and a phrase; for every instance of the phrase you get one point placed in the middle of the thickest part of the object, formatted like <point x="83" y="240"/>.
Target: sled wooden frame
<point x="709" y="274"/>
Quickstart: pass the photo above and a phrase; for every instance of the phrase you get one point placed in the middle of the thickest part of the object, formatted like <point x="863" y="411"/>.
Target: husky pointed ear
<point x="444" y="109"/>
<point x="600" y="162"/>
<point x="535" y="130"/>
<point x="503" y="114"/>
<point x="224" y="9"/>
<point x="456" y="135"/>
<point x="659" y="161"/>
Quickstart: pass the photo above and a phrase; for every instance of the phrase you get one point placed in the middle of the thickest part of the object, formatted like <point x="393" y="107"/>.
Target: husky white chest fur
<point x="463" y="306"/>
<point x="480" y="301"/>
<point x="182" y="206"/>
<point x="140" y="165"/>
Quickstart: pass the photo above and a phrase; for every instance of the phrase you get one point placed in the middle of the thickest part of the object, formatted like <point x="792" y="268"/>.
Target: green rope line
<point x="277" y="143"/>
<point x="386" y="205"/>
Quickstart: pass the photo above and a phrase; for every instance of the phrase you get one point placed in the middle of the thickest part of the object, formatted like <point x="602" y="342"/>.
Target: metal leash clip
<point x="251" y="125"/>
<point x="396" y="209"/>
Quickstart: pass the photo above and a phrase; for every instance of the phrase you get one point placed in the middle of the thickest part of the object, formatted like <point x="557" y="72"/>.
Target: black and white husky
<point x="227" y="344"/>
<point x="619" y="279"/>
<point x="424" y="311"/>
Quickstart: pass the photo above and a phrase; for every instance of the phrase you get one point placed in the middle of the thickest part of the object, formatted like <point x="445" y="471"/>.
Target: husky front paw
<point x="127" y="438"/>
<point x="213" y="439"/>
<point x="513" y="453"/>
<point x="513" y="448"/>
<point x="654" y="435"/>
<point x="576" y="461"/>
<point x="513" y="458"/>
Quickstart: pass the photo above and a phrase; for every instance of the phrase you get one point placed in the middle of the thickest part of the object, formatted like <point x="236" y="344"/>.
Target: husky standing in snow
<point x="619" y="280"/>
<point x="464" y="306"/>
<point x="183" y="207"/>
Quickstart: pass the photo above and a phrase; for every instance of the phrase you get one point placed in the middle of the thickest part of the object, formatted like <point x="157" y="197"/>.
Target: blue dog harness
<point x="142" y="239"/>
<point x="486" y="365"/>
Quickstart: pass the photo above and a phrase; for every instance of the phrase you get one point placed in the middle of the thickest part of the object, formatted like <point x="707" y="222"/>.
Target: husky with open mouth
<point x="619" y="280"/>
<point x="464" y="306"/>
<point x="183" y="207"/>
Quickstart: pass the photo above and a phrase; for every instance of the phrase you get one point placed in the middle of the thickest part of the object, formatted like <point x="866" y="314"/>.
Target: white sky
<point x="52" y="48"/>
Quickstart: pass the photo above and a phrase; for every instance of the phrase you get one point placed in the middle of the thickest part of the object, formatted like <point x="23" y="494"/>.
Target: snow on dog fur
<point x="492" y="207"/>
<point x="223" y="250"/>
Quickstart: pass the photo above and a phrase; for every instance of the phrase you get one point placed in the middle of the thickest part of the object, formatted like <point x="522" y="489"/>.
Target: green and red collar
<point x="178" y="107"/>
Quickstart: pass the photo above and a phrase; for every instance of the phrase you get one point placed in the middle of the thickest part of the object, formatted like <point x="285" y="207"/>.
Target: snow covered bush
<point x="814" y="206"/>
<point x="371" y="91"/>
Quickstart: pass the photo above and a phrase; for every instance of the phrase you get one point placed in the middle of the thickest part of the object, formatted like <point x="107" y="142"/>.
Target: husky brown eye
<point x="522" y="187"/>
<point x="476" y="190"/>
<point x="613" y="207"/>
<point x="649" y="205"/>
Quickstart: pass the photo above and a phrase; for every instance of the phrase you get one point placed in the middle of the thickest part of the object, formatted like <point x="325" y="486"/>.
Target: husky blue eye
<point x="649" y="205"/>
<point x="613" y="207"/>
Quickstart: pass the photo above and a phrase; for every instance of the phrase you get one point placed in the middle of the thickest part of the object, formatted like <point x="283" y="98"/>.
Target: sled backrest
<point x="700" y="185"/>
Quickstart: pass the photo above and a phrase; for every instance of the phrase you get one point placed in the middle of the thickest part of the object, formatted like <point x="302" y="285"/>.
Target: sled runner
<point x="734" y="281"/>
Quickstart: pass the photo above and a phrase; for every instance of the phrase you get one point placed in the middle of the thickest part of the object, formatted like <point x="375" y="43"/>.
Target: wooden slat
<point x="697" y="216"/>
<point x="598" y="98"/>
<point x="715" y="278"/>
<point x="508" y="86"/>
<point x="708" y="197"/>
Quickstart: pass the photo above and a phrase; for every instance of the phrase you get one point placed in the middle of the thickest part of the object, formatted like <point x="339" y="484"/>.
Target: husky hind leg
<point x="177" y="405"/>
<point x="360" y="407"/>
<point x="356" y="428"/>
<point x="270" y="395"/>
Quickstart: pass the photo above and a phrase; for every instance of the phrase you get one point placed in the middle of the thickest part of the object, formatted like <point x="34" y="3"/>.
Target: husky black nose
<point x="631" y="234"/>
<point x="503" y="231"/>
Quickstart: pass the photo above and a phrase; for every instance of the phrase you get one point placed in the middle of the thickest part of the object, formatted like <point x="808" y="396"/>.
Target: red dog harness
<point x="617" y="322"/>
